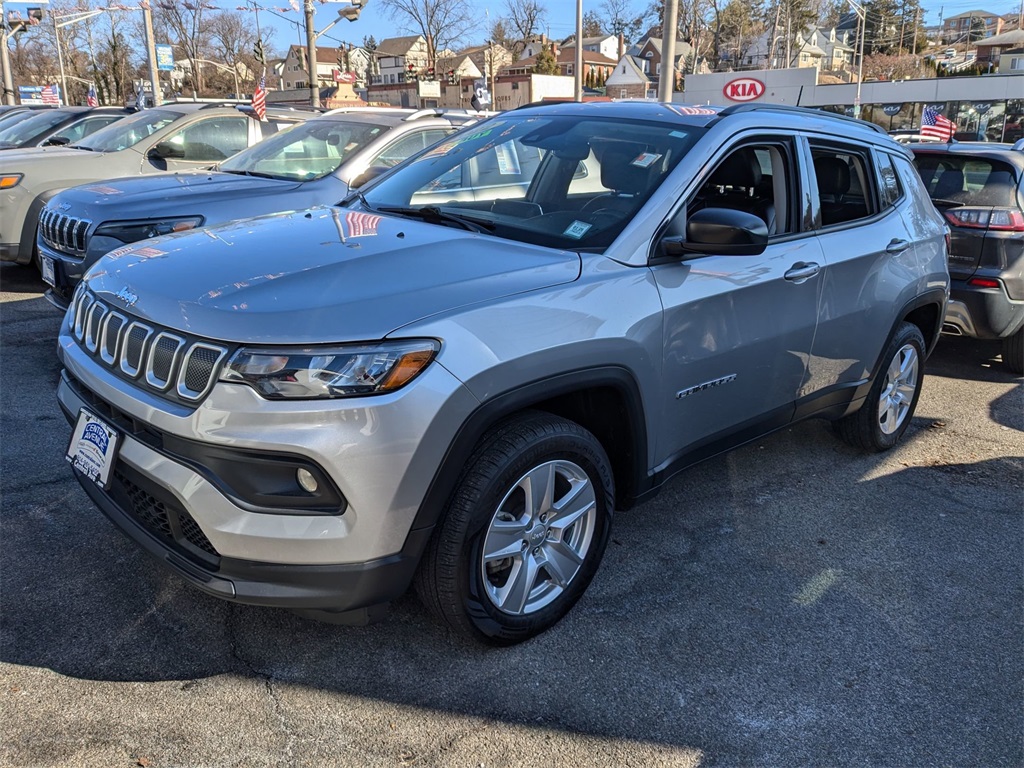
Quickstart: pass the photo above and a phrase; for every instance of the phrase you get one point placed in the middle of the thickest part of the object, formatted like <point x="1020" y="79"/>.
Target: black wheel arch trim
<point x="522" y="398"/>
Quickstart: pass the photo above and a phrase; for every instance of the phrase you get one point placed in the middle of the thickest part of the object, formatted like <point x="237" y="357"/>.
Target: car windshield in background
<point x="557" y="181"/>
<point x="129" y="131"/>
<point x="22" y="131"/>
<point x="964" y="180"/>
<point x="307" y="151"/>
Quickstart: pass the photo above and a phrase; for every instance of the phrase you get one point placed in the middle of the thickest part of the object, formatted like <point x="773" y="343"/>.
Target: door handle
<point x="802" y="271"/>
<point x="897" y="246"/>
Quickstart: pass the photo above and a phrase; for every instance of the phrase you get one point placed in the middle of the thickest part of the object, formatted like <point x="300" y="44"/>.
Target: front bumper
<point x="983" y="313"/>
<point x="326" y="562"/>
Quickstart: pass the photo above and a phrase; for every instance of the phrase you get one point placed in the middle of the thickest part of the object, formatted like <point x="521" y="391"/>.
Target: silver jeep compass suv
<point x="454" y="377"/>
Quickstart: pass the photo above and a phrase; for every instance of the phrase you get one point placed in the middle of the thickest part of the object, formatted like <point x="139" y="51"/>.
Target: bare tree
<point x="187" y="26"/>
<point x="622" y="18"/>
<point x="233" y="37"/>
<point x="444" y="23"/>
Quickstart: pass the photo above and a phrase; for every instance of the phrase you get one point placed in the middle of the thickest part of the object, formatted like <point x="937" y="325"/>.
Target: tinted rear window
<point x="967" y="180"/>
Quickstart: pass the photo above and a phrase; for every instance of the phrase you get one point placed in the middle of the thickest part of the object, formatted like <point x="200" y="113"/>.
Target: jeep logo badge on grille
<point x="127" y="297"/>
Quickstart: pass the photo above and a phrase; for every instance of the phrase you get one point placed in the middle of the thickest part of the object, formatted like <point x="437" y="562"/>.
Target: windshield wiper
<point x="257" y="174"/>
<point x="435" y="215"/>
<point x="81" y="146"/>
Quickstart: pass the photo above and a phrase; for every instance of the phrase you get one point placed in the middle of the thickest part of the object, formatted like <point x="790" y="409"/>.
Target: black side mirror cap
<point x="719" y="231"/>
<point x="57" y="141"/>
<point x="369" y="174"/>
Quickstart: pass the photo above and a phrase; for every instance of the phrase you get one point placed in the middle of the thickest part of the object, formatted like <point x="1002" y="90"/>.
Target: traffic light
<point x="257" y="51"/>
<point x="411" y="75"/>
<point x="430" y="73"/>
<point x="452" y="80"/>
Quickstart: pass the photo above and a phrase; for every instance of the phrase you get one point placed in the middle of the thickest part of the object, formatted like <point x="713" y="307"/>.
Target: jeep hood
<point x="168" y="194"/>
<point x="322" y="275"/>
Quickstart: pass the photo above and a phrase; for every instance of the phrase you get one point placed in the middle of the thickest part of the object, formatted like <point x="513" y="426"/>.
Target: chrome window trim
<point x="151" y="377"/>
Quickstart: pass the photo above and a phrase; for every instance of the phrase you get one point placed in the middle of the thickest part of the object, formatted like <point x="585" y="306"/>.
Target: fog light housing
<point x="306" y="480"/>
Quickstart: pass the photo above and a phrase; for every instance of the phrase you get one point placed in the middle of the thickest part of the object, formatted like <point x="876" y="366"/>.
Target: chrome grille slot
<point x="163" y="355"/>
<point x="93" y="324"/>
<point x="111" y="335"/>
<point x="80" y="315"/>
<point x="133" y="348"/>
<point x="197" y="370"/>
<point x="65" y="233"/>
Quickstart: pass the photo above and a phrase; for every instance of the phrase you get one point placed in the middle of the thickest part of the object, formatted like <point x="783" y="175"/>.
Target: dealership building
<point x="989" y="105"/>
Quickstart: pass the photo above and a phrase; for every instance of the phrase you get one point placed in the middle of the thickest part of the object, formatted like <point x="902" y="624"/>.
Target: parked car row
<point x="451" y="371"/>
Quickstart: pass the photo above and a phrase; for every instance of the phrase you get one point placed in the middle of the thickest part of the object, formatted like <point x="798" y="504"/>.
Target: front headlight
<point x="131" y="231"/>
<point x="346" y="370"/>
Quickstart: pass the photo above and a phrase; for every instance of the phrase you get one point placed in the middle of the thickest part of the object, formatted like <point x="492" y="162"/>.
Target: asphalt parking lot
<point x="793" y="603"/>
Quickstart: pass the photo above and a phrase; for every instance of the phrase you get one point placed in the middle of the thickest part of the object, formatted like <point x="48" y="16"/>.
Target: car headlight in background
<point x="346" y="370"/>
<point x="131" y="231"/>
<point x="9" y="180"/>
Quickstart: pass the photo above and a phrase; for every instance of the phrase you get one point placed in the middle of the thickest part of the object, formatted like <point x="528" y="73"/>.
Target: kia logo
<point x="743" y="89"/>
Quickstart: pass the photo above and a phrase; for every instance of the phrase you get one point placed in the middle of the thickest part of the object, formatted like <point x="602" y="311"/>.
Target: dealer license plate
<point x="48" y="272"/>
<point x="93" y="448"/>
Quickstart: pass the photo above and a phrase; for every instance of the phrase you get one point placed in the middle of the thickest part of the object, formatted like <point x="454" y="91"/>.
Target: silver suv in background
<point x="457" y="375"/>
<point x="171" y="137"/>
<point x="313" y="163"/>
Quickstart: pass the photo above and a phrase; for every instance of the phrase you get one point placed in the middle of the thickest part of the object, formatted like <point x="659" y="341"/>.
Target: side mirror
<point x="719" y="231"/>
<point x="165" y="150"/>
<point x="57" y="141"/>
<point x="369" y="174"/>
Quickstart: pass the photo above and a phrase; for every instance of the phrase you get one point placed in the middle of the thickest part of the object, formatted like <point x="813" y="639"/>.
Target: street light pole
<point x="669" y="22"/>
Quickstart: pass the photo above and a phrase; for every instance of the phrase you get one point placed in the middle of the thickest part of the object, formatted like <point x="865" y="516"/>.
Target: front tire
<point x="523" y="533"/>
<point x="886" y="413"/>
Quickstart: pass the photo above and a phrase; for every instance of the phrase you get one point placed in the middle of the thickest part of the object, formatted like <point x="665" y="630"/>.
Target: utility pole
<point x="578" y="64"/>
<point x="154" y="73"/>
<point x="314" y="83"/>
<point x="917" y="24"/>
<point x="7" y="31"/>
<point x="669" y="22"/>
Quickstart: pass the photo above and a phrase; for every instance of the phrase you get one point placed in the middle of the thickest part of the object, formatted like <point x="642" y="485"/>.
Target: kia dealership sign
<point x="743" y="89"/>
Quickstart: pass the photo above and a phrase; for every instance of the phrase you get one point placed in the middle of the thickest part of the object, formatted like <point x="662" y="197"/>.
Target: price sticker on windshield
<point x="577" y="229"/>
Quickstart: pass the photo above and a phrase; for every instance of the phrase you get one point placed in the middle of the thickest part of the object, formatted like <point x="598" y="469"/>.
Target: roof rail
<point x="806" y="111"/>
<point x="341" y="110"/>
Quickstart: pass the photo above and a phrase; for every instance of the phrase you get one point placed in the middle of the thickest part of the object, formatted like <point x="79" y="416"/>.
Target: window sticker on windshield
<point x="646" y="160"/>
<point x="679" y="134"/>
<point x="577" y="229"/>
<point x="104" y="190"/>
<point x="508" y="160"/>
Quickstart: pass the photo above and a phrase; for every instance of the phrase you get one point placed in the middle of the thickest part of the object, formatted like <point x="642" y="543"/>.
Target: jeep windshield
<point x="20" y="132"/>
<point x="558" y="181"/>
<point x="308" y="151"/>
<point x="129" y="131"/>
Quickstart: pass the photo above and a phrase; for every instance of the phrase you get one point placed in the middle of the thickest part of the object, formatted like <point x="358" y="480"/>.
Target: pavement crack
<point x="268" y="684"/>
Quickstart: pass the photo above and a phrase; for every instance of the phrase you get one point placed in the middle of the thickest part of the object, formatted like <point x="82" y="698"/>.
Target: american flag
<point x="259" y="99"/>
<point x="361" y="224"/>
<point x="51" y="95"/>
<point x="935" y="125"/>
<point x="91" y="99"/>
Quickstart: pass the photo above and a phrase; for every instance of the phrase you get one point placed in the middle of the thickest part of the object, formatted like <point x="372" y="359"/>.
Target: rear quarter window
<point x="967" y="180"/>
